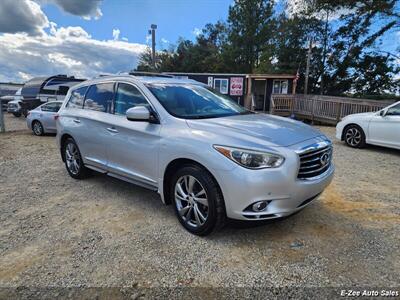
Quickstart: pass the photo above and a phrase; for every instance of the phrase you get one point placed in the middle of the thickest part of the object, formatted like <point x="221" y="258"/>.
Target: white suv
<point x="208" y="156"/>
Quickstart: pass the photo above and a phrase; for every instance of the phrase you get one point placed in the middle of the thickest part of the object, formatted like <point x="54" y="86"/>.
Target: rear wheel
<point x="198" y="201"/>
<point x="354" y="136"/>
<point x="37" y="128"/>
<point x="73" y="160"/>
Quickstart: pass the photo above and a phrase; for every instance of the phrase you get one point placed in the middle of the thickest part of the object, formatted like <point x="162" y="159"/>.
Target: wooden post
<point x="247" y="99"/>
<point x="312" y="111"/>
<point x="2" y="126"/>
<point x="339" y="111"/>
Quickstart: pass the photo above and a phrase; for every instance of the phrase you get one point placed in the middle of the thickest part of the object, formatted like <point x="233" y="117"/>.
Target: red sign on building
<point x="236" y="86"/>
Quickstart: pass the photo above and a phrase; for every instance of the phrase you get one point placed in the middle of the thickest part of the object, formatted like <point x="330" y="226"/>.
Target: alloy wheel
<point x="37" y="128"/>
<point x="191" y="201"/>
<point x="353" y="137"/>
<point x="72" y="158"/>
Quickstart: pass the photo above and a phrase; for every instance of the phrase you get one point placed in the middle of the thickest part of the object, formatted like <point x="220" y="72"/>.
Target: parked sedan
<point x="380" y="128"/>
<point x="42" y="119"/>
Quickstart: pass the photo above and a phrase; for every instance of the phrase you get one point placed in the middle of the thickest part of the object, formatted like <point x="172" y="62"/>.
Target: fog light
<point x="260" y="206"/>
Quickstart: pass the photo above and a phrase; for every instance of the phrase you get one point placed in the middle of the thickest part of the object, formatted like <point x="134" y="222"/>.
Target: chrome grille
<point x="314" y="162"/>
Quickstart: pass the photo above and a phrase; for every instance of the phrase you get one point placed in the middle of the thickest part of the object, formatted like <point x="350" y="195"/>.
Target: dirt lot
<point x="101" y="232"/>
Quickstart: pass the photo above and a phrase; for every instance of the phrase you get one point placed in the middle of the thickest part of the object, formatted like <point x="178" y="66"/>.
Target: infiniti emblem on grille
<point x="324" y="159"/>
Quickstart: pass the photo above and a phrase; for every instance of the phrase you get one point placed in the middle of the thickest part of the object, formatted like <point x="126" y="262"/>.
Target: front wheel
<point x="198" y="201"/>
<point x="73" y="160"/>
<point x="354" y="136"/>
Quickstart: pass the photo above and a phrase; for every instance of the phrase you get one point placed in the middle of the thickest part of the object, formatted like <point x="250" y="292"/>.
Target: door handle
<point x="76" y="120"/>
<point x="113" y="130"/>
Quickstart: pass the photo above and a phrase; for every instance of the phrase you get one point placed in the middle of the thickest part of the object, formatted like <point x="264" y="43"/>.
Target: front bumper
<point x="285" y="192"/>
<point x="13" y="110"/>
<point x="339" y="130"/>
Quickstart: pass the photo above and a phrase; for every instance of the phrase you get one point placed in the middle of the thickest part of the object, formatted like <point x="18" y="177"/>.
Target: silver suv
<point x="208" y="156"/>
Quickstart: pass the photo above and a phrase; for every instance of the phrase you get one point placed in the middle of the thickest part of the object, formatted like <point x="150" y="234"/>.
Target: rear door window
<point x="128" y="96"/>
<point x="99" y="97"/>
<point x="77" y="96"/>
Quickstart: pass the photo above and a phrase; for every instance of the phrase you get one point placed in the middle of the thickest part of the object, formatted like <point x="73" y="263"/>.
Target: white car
<point x="380" y="128"/>
<point x="42" y="119"/>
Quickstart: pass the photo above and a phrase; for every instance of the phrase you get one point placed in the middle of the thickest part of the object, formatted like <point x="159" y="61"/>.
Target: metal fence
<point x="324" y="109"/>
<point x="2" y="126"/>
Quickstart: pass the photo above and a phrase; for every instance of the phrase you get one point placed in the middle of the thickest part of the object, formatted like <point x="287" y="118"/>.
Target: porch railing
<point x="324" y="109"/>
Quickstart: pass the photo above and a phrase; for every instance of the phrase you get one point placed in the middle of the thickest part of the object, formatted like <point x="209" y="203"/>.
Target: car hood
<point x="360" y="115"/>
<point x="275" y="130"/>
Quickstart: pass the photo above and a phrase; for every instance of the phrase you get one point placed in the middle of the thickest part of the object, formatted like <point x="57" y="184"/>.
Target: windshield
<point x="190" y="101"/>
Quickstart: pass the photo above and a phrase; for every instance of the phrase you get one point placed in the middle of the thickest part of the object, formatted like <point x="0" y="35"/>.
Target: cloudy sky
<point x="88" y="37"/>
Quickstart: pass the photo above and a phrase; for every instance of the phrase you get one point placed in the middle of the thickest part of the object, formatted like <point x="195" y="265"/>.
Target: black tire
<point x="79" y="172"/>
<point x="354" y="136"/>
<point x="17" y="114"/>
<point x="216" y="215"/>
<point x="37" y="128"/>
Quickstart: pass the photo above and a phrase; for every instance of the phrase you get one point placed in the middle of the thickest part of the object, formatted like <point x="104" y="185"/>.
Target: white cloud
<point x="116" y="32"/>
<point x="196" y="31"/>
<point x="300" y="6"/>
<point x="22" y="16"/>
<point x="164" y="40"/>
<point x="24" y="76"/>
<point x="65" y="50"/>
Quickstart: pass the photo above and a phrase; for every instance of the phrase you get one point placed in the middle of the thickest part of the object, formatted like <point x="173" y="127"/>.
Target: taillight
<point x="56" y="117"/>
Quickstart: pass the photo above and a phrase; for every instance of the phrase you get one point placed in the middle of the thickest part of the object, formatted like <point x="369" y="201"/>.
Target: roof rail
<point x="149" y="74"/>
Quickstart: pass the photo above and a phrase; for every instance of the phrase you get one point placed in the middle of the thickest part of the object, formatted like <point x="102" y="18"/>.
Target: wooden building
<point x="253" y="91"/>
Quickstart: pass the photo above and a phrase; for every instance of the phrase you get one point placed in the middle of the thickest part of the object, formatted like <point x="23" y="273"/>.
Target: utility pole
<point x="152" y="31"/>
<point x="308" y="66"/>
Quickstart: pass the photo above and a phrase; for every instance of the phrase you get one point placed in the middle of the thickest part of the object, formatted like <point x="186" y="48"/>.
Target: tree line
<point x="343" y="38"/>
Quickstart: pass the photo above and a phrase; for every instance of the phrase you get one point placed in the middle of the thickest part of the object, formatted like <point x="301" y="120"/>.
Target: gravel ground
<point x="14" y="124"/>
<point x="101" y="232"/>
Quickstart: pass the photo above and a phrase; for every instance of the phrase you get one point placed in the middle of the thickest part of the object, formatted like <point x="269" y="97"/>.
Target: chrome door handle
<point x="76" y="120"/>
<point x="113" y="130"/>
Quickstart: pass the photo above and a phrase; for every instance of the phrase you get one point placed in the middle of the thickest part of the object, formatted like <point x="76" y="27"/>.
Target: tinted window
<point x="30" y="92"/>
<point x="99" y="97"/>
<point x="195" y="101"/>
<point x="77" y="96"/>
<point x="127" y="96"/>
<point x="394" y="111"/>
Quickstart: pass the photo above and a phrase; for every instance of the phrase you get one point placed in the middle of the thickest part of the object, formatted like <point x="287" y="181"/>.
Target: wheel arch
<point x="347" y="126"/>
<point x="63" y="139"/>
<point x="175" y="165"/>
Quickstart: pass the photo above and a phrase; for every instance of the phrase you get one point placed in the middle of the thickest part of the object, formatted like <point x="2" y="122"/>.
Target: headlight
<point x="251" y="159"/>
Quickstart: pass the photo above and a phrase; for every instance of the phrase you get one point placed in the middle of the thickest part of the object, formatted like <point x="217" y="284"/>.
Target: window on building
<point x="280" y="87"/>
<point x="128" y="96"/>
<point x="77" y="96"/>
<point x="221" y="85"/>
<point x="99" y="97"/>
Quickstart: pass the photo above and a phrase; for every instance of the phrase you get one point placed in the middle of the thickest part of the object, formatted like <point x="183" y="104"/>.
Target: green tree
<point x="250" y="24"/>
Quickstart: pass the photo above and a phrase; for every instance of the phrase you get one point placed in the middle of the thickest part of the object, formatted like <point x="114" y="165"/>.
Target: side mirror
<point x="138" y="113"/>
